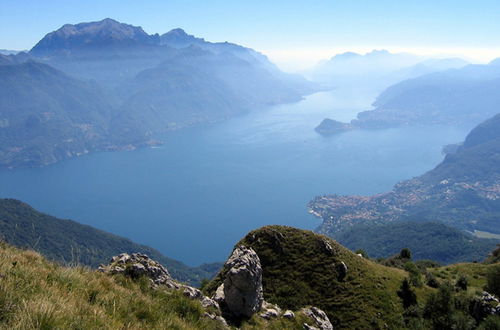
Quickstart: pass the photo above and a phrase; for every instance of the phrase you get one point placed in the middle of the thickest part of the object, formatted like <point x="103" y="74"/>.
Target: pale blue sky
<point x="285" y="30"/>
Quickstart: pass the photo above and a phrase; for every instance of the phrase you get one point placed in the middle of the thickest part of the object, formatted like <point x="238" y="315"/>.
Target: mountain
<point x="463" y="96"/>
<point x="8" y="52"/>
<point x="377" y="70"/>
<point x="46" y="115"/>
<point x="107" y="85"/>
<point x="463" y="191"/>
<point x="428" y="241"/>
<point x="69" y="242"/>
<point x="86" y="37"/>
<point x="178" y="38"/>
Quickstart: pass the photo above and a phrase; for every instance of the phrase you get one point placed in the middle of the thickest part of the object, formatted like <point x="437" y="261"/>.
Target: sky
<point x="294" y="34"/>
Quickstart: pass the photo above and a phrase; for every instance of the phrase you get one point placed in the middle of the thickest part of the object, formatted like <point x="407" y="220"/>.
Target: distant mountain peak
<point x="179" y="38"/>
<point x="85" y="35"/>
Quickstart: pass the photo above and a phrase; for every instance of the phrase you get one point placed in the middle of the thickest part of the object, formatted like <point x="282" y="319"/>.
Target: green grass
<point x="38" y="294"/>
<point x="299" y="271"/>
<point x="475" y="273"/>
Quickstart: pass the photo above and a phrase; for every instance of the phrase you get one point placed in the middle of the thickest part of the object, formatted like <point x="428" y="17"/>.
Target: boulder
<point x="241" y="294"/>
<point x="288" y="314"/>
<point x="341" y="270"/>
<point x="321" y="320"/>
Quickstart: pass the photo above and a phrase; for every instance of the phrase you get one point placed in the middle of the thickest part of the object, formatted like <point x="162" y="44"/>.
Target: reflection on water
<point x="194" y="197"/>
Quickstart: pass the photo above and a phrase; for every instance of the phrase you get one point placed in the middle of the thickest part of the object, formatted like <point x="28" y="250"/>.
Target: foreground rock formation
<point x="239" y="297"/>
<point x="241" y="293"/>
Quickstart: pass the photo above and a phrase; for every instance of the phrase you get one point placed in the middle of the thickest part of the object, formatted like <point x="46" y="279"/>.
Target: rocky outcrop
<point x="241" y="294"/>
<point x="322" y="322"/>
<point x="269" y="311"/>
<point x="137" y="265"/>
<point x="485" y="305"/>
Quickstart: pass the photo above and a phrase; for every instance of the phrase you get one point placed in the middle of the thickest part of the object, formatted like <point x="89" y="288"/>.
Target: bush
<point x="431" y="280"/>
<point x="408" y="297"/>
<point x="405" y="254"/>
<point x="462" y="282"/>
<point x="415" y="277"/>
<point x="493" y="281"/>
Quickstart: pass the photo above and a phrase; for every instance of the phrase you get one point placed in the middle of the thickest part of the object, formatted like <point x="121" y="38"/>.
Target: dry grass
<point x="37" y="294"/>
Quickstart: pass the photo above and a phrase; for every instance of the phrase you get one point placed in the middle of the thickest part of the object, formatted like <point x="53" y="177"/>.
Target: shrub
<point x="493" y="281"/>
<point x="462" y="282"/>
<point x="408" y="297"/>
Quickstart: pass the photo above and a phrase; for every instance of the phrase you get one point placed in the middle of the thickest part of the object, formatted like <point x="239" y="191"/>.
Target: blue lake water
<point x="194" y="197"/>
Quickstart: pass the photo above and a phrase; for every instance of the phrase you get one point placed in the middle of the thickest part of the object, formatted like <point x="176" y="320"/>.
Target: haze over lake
<point x="206" y="187"/>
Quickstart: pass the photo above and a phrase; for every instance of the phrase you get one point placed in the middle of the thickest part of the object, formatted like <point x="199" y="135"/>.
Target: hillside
<point x="45" y="115"/>
<point x="37" y="294"/>
<point x="463" y="192"/>
<point x="464" y="96"/>
<point x="301" y="268"/>
<point x="428" y="241"/>
<point x="69" y="242"/>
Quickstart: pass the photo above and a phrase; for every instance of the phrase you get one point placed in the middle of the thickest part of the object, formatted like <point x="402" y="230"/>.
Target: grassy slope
<point x="35" y="293"/>
<point x="427" y="240"/>
<point x="67" y="241"/>
<point x="38" y="294"/>
<point x="299" y="271"/>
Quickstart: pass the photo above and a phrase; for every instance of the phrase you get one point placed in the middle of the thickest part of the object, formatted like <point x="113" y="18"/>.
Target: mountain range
<point x="458" y="97"/>
<point x="107" y="85"/>
<point x="378" y="69"/>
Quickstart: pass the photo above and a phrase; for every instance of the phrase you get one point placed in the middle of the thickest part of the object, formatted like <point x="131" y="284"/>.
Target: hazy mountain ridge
<point x="463" y="191"/>
<point x="455" y="97"/>
<point x="141" y="85"/>
<point x="378" y="69"/>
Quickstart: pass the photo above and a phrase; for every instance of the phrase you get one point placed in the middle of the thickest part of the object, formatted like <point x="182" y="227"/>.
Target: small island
<point x="332" y="127"/>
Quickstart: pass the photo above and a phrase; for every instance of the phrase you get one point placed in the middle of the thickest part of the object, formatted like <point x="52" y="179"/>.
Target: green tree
<point x="408" y="297"/>
<point x="405" y="254"/>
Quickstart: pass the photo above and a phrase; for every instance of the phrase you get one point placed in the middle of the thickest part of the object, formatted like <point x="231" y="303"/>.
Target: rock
<point x="241" y="293"/>
<point x="269" y="314"/>
<point x="137" y="265"/>
<point x="269" y="311"/>
<point x="308" y="327"/>
<point x="319" y="317"/>
<point x="485" y="305"/>
<point x="341" y="270"/>
<point x="288" y="314"/>
<point x="217" y="318"/>
<point x="196" y="294"/>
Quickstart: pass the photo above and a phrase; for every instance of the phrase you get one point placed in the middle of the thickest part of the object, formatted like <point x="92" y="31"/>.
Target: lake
<point x="195" y="196"/>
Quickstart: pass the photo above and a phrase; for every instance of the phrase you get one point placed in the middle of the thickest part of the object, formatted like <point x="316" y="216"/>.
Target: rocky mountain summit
<point x="86" y="36"/>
